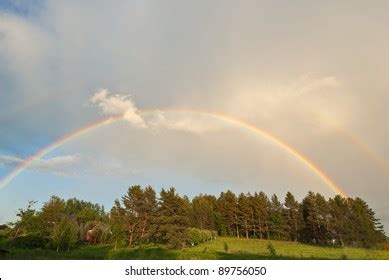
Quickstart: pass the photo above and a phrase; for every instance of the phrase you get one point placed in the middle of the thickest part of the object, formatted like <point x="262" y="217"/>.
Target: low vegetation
<point x="215" y="249"/>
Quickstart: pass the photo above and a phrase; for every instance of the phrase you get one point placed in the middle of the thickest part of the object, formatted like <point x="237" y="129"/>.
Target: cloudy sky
<point x="312" y="75"/>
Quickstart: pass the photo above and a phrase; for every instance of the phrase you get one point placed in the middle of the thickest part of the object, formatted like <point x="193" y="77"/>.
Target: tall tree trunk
<point x="254" y="226"/>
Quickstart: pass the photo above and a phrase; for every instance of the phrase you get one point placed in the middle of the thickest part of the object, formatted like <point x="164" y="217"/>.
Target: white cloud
<point x="108" y="166"/>
<point x="308" y="84"/>
<point x="58" y="165"/>
<point x="181" y="120"/>
<point x="118" y="105"/>
<point x="69" y="165"/>
<point x="190" y="122"/>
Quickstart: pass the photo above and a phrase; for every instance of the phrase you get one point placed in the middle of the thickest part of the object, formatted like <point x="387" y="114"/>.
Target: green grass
<point x="216" y="249"/>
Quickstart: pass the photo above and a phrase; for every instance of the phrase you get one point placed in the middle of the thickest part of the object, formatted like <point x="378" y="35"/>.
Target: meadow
<point x="223" y="248"/>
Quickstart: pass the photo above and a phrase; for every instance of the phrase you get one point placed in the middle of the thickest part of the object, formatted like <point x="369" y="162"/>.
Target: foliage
<point x="226" y="248"/>
<point x="227" y="207"/>
<point x="28" y="221"/>
<point x="172" y="219"/>
<point x="139" y="218"/>
<point x="271" y="250"/>
<point x="197" y="236"/>
<point x="203" y="211"/>
<point x="30" y="241"/>
<point x="65" y="234"/>
<point x="133" y="218"/>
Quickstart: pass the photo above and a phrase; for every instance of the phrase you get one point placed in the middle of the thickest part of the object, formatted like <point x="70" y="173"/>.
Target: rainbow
<point x="51" y="147"/>
<point x="363" y="147"/>
<point x="222" y="117"/>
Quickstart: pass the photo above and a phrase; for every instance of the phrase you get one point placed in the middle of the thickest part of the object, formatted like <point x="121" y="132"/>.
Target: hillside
<point x="215" y="249"/>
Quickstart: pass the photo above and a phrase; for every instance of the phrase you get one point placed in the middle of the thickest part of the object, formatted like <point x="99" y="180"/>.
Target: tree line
<point x="140" y="217"/>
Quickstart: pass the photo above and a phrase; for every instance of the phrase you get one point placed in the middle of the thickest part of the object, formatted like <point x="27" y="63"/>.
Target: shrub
<point x="195" y="236"/>
<point x="271" y="250"/>
<point x="30" y="241"/>
<point x="226" y="248"/>
<point x="206" y="235"/>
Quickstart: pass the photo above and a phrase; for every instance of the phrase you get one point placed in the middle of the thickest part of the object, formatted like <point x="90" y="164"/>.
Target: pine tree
<point x="323" y="216"/>
<point x="204" y="211"/>
<point x="245" y="213"/>
<point x="309" y="232"/>
<point x="227" y="207"/>
<point x="293" y="216"/>
<point x="367" y="228"/>
<point x="340" y="226"/>
<point x="261" y="215"/>
<point x="117" y="221"/>
<point x="316" y="217"/>
<point x="172" y="219"/>
<point x="146" y="213"/>
<point x="140" y="207"/>
<point x="278" y="226"/>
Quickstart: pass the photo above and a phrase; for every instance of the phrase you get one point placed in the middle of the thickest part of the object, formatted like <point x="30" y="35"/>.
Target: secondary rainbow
<point x="222" y="117"/>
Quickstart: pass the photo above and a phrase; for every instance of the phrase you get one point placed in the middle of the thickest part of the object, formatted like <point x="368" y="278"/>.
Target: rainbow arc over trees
<point x="218" y="116"/>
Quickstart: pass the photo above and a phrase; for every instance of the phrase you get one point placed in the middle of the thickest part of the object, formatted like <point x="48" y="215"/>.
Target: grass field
<point x="216" y="249"/>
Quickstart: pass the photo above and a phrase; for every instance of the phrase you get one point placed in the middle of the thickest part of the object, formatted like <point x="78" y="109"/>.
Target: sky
<point x="312" y="75"/>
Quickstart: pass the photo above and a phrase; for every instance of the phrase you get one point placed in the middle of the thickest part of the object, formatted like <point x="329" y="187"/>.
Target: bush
<point x="226" y="248"/>
<point x="206" y="235"/>
<point x="271" y="250"/>
<point x="195" y="236"/>
<point x="30" y="241"/>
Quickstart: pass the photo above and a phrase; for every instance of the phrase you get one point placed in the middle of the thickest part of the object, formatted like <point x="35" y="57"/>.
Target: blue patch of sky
<point x="19" y="140"/>
<point x="25" y="8"/>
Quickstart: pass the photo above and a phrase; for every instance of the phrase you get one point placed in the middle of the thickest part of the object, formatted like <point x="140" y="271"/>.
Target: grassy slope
<point x="238" y="249"/>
